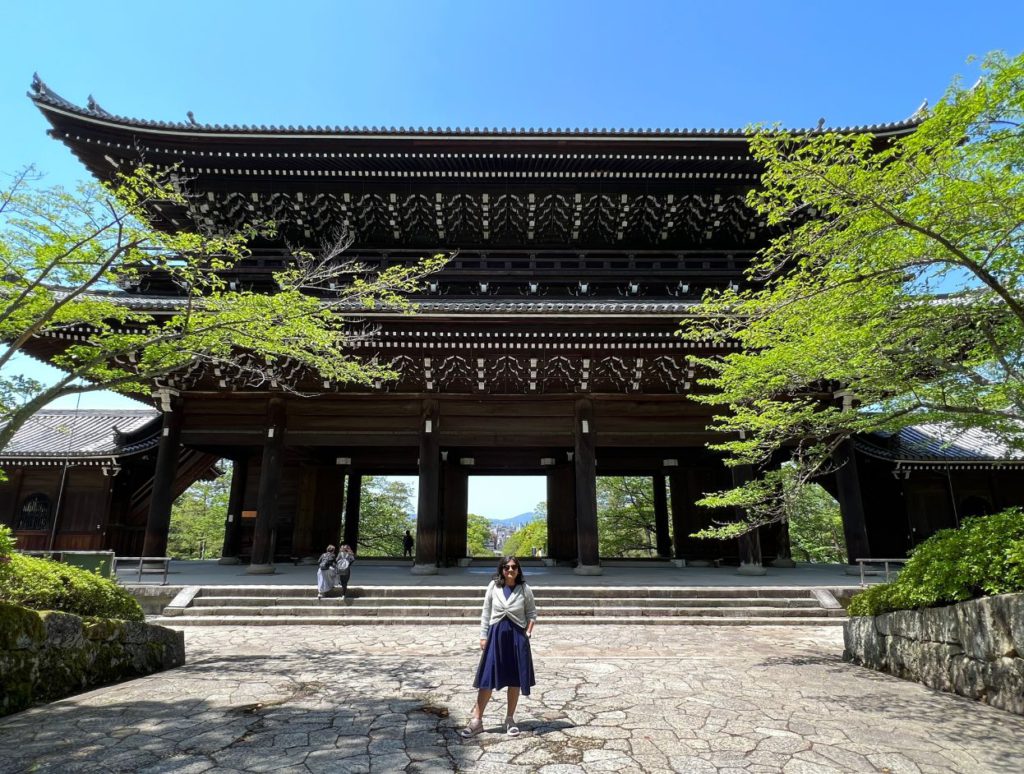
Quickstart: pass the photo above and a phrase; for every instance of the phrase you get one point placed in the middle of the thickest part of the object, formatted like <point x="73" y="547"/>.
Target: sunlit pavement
<point x="608" y="698"/>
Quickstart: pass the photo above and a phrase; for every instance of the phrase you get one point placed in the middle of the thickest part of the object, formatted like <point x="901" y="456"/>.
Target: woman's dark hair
<point x="499" y="576"/>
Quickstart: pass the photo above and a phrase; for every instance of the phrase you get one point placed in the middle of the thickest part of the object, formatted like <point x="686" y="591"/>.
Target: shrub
<point x="984" y="556"/>
<point x="42" y="584"/>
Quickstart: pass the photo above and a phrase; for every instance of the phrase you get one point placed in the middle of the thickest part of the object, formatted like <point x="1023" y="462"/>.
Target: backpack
<point x="326" y="561"/>
<point x="342" y="564"/>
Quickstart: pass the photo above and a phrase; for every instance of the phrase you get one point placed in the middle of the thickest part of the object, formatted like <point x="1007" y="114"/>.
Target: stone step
<point x="321" y="609"/>
<point x="357" y="600"/>
<point x="181" y="621"/>
<point x="540" y="592"/>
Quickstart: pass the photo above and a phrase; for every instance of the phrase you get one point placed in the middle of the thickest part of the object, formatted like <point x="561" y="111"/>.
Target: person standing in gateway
<point x="407" y="544"/>
<point x="506" y="626"/>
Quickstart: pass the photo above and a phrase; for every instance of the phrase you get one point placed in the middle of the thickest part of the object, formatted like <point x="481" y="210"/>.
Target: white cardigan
<point x="519" y="607"/>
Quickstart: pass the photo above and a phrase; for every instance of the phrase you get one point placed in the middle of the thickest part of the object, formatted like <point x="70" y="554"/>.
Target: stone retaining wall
<point x="975" y="648"/>
<point x="49" y="655"/>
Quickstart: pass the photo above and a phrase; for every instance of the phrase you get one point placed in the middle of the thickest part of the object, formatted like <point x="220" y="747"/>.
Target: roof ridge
<point x="42" y="94"/>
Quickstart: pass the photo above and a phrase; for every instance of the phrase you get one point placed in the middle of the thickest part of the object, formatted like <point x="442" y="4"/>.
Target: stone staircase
<point x="689" y="606"/>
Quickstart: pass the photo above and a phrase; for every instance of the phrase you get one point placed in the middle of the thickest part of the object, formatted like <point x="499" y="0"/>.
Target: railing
<point x="145" y="565"/>
<point x="101" y="562"/>
<point x="884" y="562"/>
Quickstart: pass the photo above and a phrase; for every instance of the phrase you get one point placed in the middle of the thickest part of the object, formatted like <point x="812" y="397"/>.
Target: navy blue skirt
<point x="506" y="661"/>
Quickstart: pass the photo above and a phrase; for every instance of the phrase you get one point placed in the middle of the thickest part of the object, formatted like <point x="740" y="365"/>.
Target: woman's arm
<point x="531" y="610"/>
<point x="485" y="616"/>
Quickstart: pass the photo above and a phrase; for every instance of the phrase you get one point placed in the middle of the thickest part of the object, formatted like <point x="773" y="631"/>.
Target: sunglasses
<point x="511" y="566"/>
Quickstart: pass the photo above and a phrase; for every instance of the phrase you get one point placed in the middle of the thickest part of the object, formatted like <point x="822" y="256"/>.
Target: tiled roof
<point x="454" y="306"/>
<point x="44" y="95"/>
<point x="85" y="433"/>
<point x="939" y="443"/>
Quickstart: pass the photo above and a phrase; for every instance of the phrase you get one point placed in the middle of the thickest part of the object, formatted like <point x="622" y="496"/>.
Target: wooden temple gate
<point x="546" y="346"/>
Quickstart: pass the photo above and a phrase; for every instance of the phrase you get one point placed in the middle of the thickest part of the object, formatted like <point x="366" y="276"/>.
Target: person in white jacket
<point x="506" y="626"/>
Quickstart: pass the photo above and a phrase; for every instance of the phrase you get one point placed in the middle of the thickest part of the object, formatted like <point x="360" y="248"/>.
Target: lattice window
<point x="35" y="513"/>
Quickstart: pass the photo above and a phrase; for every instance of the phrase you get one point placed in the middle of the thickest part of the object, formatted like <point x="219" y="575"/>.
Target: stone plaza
<point x="615" y="698"/>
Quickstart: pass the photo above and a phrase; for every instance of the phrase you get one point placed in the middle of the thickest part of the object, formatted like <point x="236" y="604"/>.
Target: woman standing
<point x="325" y="572"/>
<point x="506" y="626"/>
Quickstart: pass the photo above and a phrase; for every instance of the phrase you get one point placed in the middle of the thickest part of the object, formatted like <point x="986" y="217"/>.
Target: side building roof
<point x="941" y="446"/>
<point x="87" y="436"/>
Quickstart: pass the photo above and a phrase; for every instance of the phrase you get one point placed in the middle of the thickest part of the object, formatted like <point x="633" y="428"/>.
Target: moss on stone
<point x="20" y="628"/>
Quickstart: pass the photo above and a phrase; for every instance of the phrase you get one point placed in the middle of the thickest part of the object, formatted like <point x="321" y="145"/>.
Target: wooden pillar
<point x="353" y="497"/>
<point x="161" y="497"/>
<point x="456" y="512"/>
<point x="328" y="508"/>
<point x="851" y="503"/>
<point x="262" y="562"/>
<point x="302" y="528"/>
<point x="664" y="539"/>
<point x="684" y="491"/>
<point x="750" y="542"/>
<point x="233" y="523"/>
<point x="428" y="510"/>
<point x="783" y="548"/>
<point x="588" y="561"/>
<point x="562" y="513"/>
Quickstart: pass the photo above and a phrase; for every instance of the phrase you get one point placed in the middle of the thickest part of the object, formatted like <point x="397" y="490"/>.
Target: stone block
<point x="20" y="628"/>
<point x="883" y="624"/>
<point x="1005" y="680"/>
<point x="63" y="630"/>
<point x="906" y="624"/>
<point x="901" y="656"/>
<point x="939" y="624"/>
<point x="984" y="632"/>
<point x="967" y="676"/>
<point x="933" y="660"/>
<point x="1009" y="609"/>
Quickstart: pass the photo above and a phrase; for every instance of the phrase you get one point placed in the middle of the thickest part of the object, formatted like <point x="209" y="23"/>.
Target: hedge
<point x="42" y="584"/>
<point x="985" y="556"/>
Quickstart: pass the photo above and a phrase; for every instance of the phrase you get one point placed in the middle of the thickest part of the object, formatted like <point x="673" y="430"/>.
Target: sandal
<point x="511" y="729"/>
<point x="475" y="726"/>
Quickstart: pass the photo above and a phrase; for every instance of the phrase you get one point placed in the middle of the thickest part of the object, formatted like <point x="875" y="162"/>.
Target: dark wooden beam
<point x="162" y="496"/>
<point x="586" y="489"/>
<point x="427" y="513"/>
<point x="233" y="522"/>
<point x="353" y="499"/>
<point x="664" y="539"/>
<point x="262" y="561"/>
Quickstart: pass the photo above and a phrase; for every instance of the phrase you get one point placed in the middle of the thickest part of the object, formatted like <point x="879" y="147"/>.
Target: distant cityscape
<point x="502" y="529"/>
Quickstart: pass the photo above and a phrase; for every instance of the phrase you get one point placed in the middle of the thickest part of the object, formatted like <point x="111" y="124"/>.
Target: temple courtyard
<point x="616" y="698"/>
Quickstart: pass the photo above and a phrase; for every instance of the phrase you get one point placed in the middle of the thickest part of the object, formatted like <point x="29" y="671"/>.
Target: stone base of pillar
<point x="424" y="569"/>
<point x="752" y="569"/>
<point x="260" y="569"/>
<point x="680" y="563"/>
<point x="697" y="562"/>
<point x="229" y="560"/>
<point x="782" y="561"/>
<point x="465" y="561"/>
<point x="588" y="569"/>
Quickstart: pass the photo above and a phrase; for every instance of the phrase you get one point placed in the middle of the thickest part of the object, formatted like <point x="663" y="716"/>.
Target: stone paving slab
<point x="609" y="699"/>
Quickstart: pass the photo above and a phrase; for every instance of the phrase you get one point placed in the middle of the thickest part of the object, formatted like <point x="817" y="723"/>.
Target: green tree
<point x="845" y="327"/>
<point x="384" y="516"/>
<point x="479" y="541"/>
<point x="63" y="254"/>
<point x="815" y="526"/>
<point x="198" y="518"/>
<point x="625" y="516"/>
<point x="528" y="539"/>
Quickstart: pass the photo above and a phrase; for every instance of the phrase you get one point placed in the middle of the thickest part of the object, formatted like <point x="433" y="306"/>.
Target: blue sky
<point x="526" y="64"/>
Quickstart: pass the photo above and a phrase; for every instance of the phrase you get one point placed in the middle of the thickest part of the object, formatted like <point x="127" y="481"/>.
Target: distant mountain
<point x="515" y="521"/>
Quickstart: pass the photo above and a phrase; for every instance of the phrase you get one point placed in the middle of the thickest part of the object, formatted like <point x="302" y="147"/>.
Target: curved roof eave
<point x="48" y="100"/>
